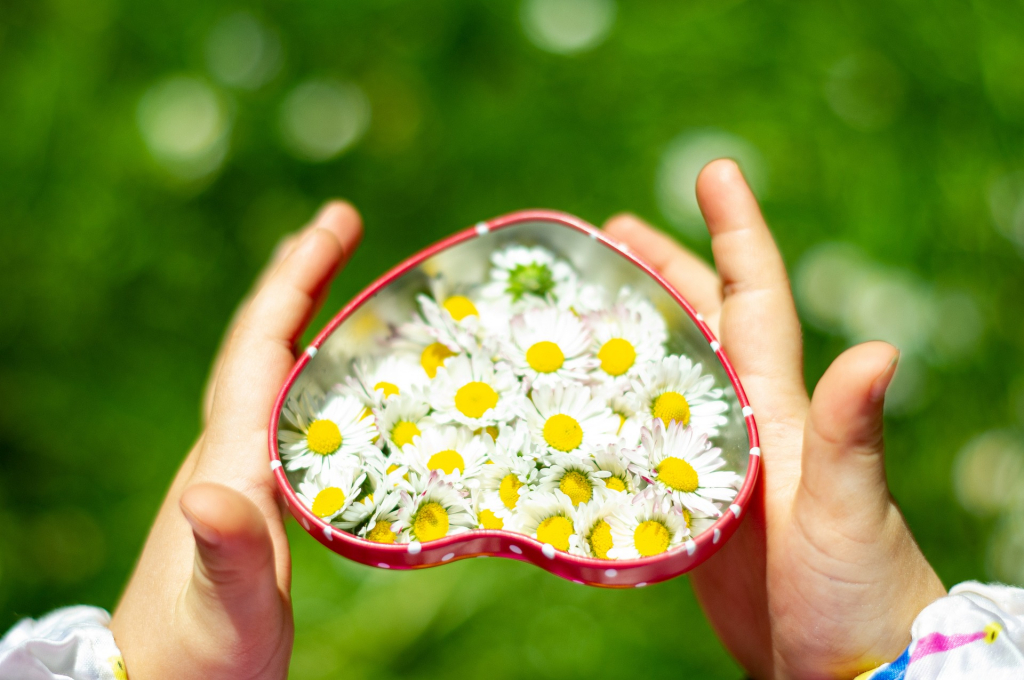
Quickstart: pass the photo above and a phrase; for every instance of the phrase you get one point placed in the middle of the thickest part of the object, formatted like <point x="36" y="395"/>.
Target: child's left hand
<point x="210" y="595"/>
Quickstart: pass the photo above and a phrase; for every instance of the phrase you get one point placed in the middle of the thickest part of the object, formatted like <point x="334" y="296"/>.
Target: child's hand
<point x="209" y="597"/>
<point x="824" y="578"/>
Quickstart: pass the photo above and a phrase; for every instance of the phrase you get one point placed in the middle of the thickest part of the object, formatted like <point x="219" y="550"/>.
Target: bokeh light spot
<point x="682" y="162"/>
<point x="865" y="90"/>
<point x="988" y="475"/>
<point x="185" y="125"/>
<point x="320" y="119"/>
<point x="567" y="26"/>
<point x="242" y="52"/>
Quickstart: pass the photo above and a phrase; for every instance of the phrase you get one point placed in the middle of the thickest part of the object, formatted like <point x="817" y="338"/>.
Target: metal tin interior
<point x="467" y="262"/>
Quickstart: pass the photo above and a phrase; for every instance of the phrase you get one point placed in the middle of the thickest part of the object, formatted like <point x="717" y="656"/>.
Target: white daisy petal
<point x="433" y="510"/>
<point x="331" y="492"/>
<point x="567" y="419"/>
<point x="325" y="432"/>
<point x="548" y="346"/>
<point x="680" y="463"/>
<point x="548" y="517"/>
<point x="474" y="391"/>
<point x="674" y="389"/>
<point x="647" y="528"/>
<point x="455" y="453"/>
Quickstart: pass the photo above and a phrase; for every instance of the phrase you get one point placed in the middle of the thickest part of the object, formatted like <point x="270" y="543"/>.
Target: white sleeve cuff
<point x="73" y="643"/>
<point x="977" y="631"/>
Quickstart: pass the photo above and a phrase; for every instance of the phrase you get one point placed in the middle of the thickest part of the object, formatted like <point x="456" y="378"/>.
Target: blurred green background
<point x="151" y="154"/>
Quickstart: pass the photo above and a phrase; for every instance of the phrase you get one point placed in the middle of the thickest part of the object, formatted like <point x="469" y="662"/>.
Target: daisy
<point x="593" y="537"/>
<point x="507" y="480"/>
<point x="331" y="492"/>
<point x="432" y="337"/>
<point x="650" y="526"/>
<point x="378" y="527"/>
<point x="673" y="389"/>
<point x="388" y="472"/>
<point x="547" y="345"/>
<point x="369" y="494"/>
<point x="482" y="318"/>
<point x="486" y="518"/>
<point x="622" y="343"/>
<point x="375" y="381"/>
<point x="680" y="463"/>
<point x="325" y="435"/>
<point x="576" y="477"/>
<point x="433" y="510"/>
<point x="475" y="392"/>
<point x="567" y="419"/>
<point x="622" y="404"/>
<point x="583" y="299"/>
<point x="614" y="460"/>
<point x="403" y="418"/>
<point x="650" y="317"/>
<point x="524" y="275"/>
<point x="455" y="453"/>
<point x="548" y="517"/>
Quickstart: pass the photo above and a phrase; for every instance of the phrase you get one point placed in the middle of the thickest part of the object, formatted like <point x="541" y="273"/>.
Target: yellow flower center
<point x="448" y="460"/>
<point x="651" y="538"/>
<point x="323" y="437"/>
<point x="677" y="474"/>
<point x="328" y="502"/>
<point x="556" y="531"/>
<point x="392" y="468"/>
<point x="545" y="357"/>
<point x="431" y="522"/>
<point x="488" y="520"/>
<point x="382" y="533"/>
<point x="460" y="307"/>
<point x="576" y="486"/>
<point x="617" y="356"/>
<point x="389" y="389"/>
<point x="474" y="398"/>
<point x="433" y="358"/>
<point x="687" y="517"/>
<point x="562" y="432"/>
<point x="601" y="539"/>
<point x="491" y="430"/>
<point x="615" y="484"/>
<point x="508" y="491"/>
<point x="365" y="413"/>
<point x="622" y="421"/>
<point x="671" y="406"/>
<point x="403" y="432"/>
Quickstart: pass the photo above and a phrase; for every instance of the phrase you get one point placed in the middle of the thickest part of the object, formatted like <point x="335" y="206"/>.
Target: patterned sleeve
<point x="977" y="631"/>
<point x="73" y="643"/>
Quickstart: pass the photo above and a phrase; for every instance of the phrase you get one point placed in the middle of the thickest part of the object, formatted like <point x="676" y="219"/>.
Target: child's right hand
<point x="210" y="595"/>
<point x="824" y="578"/>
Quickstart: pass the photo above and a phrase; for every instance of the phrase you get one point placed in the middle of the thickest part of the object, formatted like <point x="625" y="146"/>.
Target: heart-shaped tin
<point x="464" y="258"/>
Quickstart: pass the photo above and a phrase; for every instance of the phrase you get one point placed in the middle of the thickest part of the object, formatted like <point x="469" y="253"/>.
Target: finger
<point x="760" y="330"/>
<point x="233" y="594"/>
<point x="843" y="469"/>
<point x="281" y="251"/>
<point x="260" y="352"/>
<point x="687" y="273"/>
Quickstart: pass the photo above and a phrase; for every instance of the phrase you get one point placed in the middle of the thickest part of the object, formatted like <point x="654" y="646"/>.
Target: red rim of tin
<point x="499" y="543"/>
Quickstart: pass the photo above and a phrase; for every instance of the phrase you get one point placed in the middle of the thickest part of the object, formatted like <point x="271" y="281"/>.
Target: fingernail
<point x="202" y="532"/>
<point x="325" y="209"/>
<point x="884" y="379"/>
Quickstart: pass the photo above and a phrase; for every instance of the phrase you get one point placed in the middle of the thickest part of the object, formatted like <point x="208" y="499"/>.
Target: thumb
<point x="843" y="470"/>
<point x="233" y="589"/>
